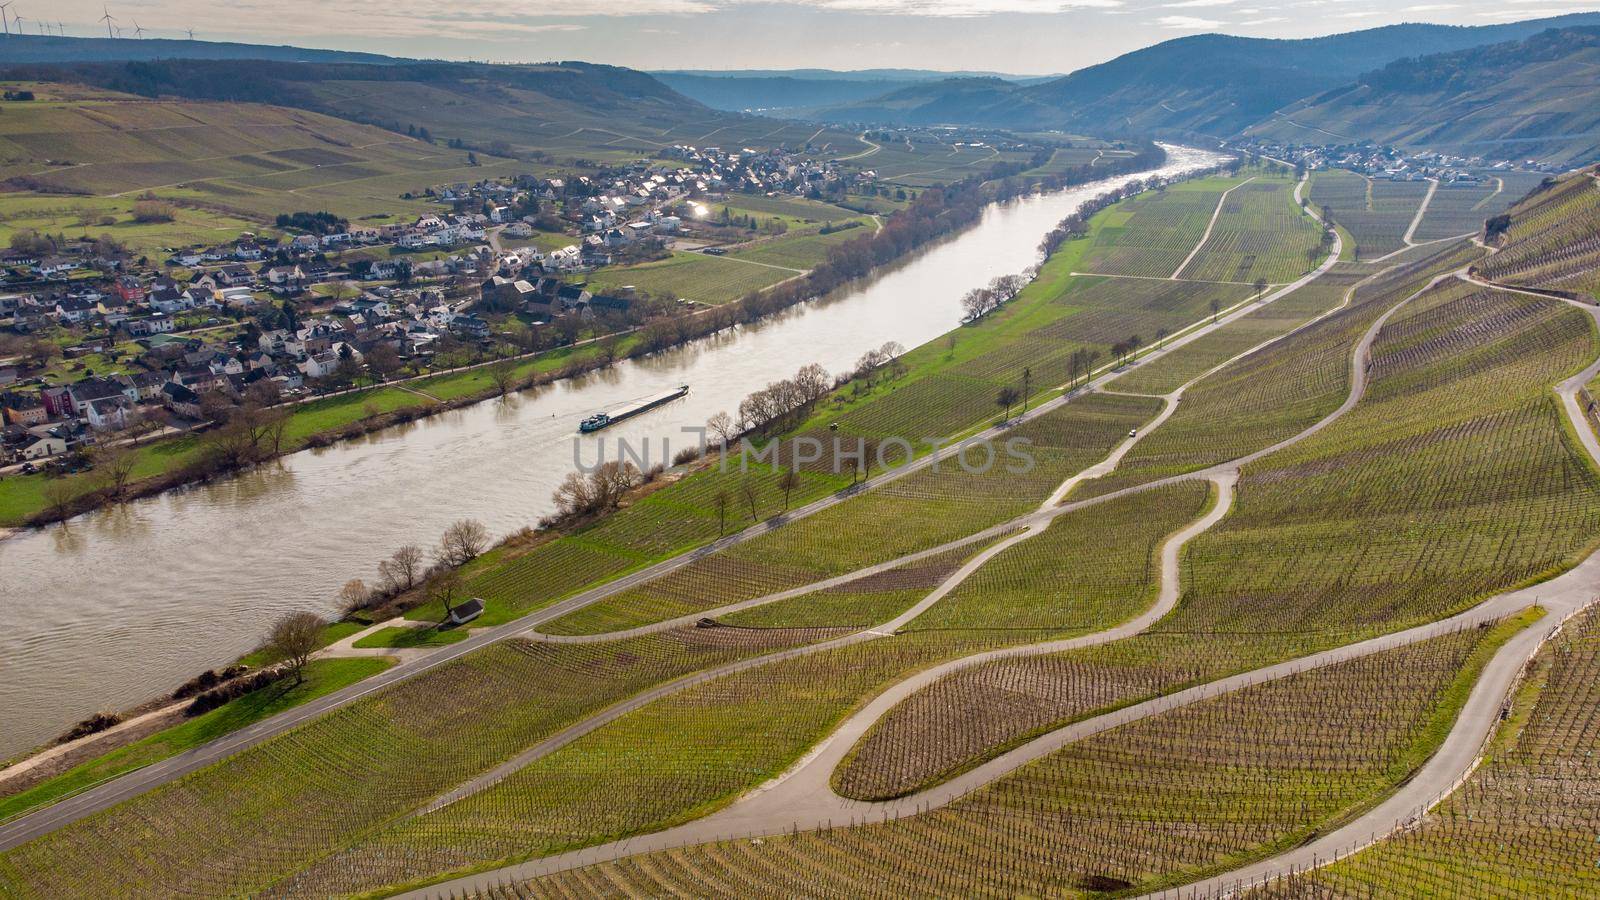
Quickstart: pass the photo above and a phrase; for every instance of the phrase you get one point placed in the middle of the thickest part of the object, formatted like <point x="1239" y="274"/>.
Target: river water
<point x="113" y="607"/>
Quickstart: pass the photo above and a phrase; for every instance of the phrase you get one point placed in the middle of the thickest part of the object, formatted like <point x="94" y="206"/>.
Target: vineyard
<point x="1261" y="234"/>
<point x="1553" y="241"/>
<point x="1525" y="824"/>
<point x="271" y="810"/>
<point x="1458" y="423"/>
<point x="1182" y="792"/>
<point x="1376" y="212"/>
<point x="927" y="508"/>
<point x="1151" y="234"/>
<point x="1136" y="663"/>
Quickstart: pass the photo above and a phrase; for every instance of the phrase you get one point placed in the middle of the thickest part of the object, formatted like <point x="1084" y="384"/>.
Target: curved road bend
<point x="803" y="797"/>
<point x="1458" y="755"/>
<point x="27" y="827"/>
<point x="1224" y="477"/>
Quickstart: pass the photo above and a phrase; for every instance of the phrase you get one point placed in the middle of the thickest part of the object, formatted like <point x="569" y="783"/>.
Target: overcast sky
<point x="1022" y="36"/>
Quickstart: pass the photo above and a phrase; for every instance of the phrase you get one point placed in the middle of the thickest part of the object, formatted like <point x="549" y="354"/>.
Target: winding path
<point x="803" y="799"/>
<point x="26" y="827"/>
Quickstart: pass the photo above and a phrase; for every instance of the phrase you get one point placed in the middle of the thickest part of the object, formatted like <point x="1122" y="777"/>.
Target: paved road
<point x="1422" y="210"/>
<point x="803" y="798"/>
<point x="25" y="828"/>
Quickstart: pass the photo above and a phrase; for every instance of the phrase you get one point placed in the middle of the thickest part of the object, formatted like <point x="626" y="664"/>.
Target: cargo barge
<point x="629" y="410"/>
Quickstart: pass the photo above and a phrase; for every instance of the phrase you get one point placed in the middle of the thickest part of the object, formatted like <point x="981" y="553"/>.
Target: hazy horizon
<point x="1017" y="37"/>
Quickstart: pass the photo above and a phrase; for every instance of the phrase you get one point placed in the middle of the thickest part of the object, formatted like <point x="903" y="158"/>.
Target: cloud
<point x="1432" y="7"/>
<point x="1189" y="23"/>
<point x="940" y="8"/>
<point x="1193" y="4"/>
<point x="1263" y="21"/>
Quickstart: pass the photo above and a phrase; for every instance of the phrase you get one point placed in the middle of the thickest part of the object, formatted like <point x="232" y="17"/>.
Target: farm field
<point x="1524" y="824"/>
<point x="712" y="280"/>
<point x="1375" y="211"/>
<point x="1257" y="769"/>
<point x="1397" y="456"/>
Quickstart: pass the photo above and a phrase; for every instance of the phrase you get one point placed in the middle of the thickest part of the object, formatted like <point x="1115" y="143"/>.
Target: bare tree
<point x="504" y="375"/>
<point x="1006" y="399"/>
<point x="749" y="488"/>
<point x="59" y="493"/>
<point x="1261" y="288"/>
<point x="720" y="502"/>
<point x="114" y="466"/>
<point x="1161" y="336"/>
<point x="787" y="482"/>
<point x="1216" y="307"/>
<point x="295" y="637"/>
<point x="445" y="588"/>
<point x="463" y="541"/>
<point x="721" y="426"/>
<point x="401" y="569"/>
<point x="354" y="596"/>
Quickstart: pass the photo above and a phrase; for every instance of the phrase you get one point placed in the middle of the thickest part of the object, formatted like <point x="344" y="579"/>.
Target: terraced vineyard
<point x="1259" y="235"/>
<point x="1257" y="589"/>
<point x="1184" y="791"/>
<point x="1375" y="211"/>
<point x="1524" y="824"/>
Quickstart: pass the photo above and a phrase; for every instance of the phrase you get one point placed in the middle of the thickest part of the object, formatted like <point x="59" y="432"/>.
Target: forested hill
<point x="30" y="48"/>
<point x="578" y="109"/>
<point x="1536" y="98"/>
<point x="1211" y="84"/>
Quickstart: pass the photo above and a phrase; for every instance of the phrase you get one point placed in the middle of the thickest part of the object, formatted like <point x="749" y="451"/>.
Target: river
<point x="113" y="607"/>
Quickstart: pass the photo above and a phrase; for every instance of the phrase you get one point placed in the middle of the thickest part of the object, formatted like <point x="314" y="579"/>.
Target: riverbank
<point x="342" y="508"/>
<point x="168" y="463"/>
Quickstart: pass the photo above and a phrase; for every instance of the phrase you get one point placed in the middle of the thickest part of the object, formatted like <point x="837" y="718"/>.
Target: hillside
<point x="564" y="112"/>
<point x="38" y="48"/>
<point x="803" y="91"/>
<point x="80" y="157"/>
<point x="1210" y="84"/>
<point x="1534" y="99"/>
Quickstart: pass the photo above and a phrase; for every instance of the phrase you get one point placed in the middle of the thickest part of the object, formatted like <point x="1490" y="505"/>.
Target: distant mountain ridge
<point x="1203" y="84"/>
<point x="30" y="48"/>
<point x="1536" y="98"/>
<point x="802" y="92"/>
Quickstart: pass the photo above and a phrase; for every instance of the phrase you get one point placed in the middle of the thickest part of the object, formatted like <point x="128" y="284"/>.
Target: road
<point x="71" y="809"/>
<point x="802" y="798"/>
<point x="1216" y="214"/>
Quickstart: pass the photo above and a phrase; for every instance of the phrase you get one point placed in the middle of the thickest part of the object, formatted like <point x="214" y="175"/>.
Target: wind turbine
<point x="137" y="31"/>
<point x="17" y="21"/>
<point x="61" y="29"/>
<point x="108" y="20"/>
<point x="4" y="20"/>
<point x="191" y="34"/>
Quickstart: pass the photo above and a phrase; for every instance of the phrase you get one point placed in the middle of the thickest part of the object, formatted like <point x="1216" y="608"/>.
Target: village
<point x="1383" y="161"/>
<point x="99" y="346"/>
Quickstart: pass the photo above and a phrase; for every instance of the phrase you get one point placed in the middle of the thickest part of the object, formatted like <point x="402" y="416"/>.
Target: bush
<point x="95" y="724"/>
<point x="234" y="689"/>
<point x="146" y="211"/>
<point x="208" y="679"/>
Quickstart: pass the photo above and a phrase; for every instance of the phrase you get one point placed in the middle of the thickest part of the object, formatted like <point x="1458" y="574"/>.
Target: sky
<point x="1014" y="36"/>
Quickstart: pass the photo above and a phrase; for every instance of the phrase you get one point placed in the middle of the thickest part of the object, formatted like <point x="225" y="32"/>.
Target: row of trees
<point x="979" y="302"/>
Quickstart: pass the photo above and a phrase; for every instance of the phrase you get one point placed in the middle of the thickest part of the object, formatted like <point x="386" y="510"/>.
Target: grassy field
<point x="693" y="276"/>
<point x="322" y="676"/>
